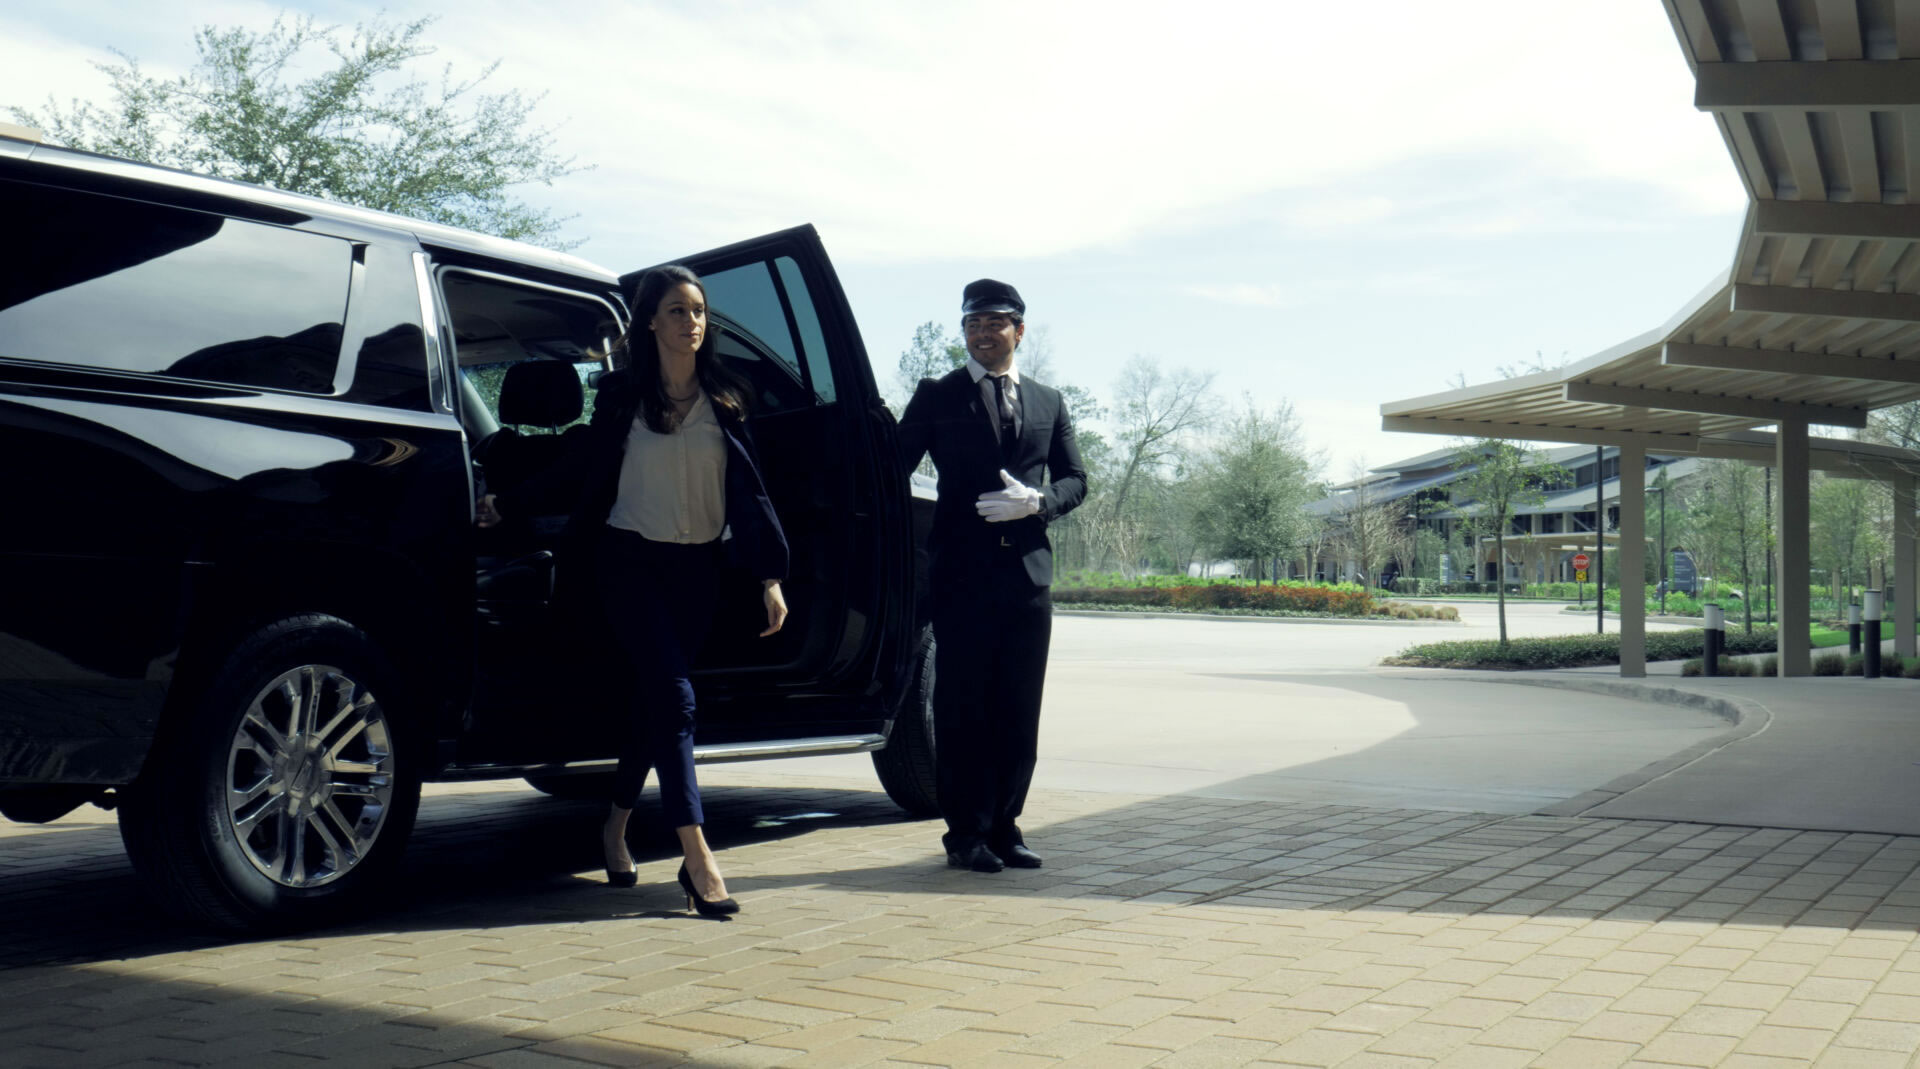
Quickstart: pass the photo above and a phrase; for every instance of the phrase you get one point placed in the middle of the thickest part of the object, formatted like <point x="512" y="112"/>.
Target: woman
<point x="668" y="467"/>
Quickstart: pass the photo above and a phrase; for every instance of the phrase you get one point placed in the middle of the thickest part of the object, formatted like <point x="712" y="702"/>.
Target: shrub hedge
<point x="1571" y="651"/>
<point x="1081" y="578"/>
<point x="1284" y="598"/>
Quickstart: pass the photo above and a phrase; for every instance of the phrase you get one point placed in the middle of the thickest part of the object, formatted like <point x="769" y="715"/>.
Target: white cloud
<point x="1023" y="129"/>
<point x="1030" y="129"/>
<point x="1323" y="288"/>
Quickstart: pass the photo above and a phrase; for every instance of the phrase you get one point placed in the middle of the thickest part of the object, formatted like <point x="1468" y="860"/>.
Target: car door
<point x="829" y="455"/>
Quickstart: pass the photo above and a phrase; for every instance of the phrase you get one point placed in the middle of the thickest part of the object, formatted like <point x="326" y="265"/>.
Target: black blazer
<point x="948" y="419"/>
<point x="585" y="482"/>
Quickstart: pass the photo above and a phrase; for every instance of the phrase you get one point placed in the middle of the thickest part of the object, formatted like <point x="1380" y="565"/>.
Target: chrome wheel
<point x="310" y="777"/>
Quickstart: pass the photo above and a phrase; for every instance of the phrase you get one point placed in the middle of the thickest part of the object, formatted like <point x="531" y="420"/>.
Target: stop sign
<point x="1580" y="560"/>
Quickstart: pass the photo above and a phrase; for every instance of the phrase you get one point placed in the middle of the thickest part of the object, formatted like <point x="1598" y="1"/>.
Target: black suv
<point x="242" y="597"/>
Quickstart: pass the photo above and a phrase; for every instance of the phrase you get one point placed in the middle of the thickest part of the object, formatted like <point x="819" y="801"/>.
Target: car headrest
<point x="540" y="393"/>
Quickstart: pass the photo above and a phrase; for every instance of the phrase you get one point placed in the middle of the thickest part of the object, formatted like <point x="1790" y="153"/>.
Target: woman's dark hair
<point x="642" y="354"/>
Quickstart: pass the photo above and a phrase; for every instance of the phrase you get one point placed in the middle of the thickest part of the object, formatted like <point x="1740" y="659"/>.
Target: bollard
<point x="1873" y="610"/>
<point x="1715" y="634"/>
<point x="1853" y="629"/>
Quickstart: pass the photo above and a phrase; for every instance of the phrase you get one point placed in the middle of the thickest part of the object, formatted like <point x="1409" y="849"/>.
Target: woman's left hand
<point x="776" y="607"/>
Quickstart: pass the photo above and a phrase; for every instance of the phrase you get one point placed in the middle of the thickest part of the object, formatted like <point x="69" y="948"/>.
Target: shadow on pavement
<point x="477" y="859"/>
<point x="486" y="863"/>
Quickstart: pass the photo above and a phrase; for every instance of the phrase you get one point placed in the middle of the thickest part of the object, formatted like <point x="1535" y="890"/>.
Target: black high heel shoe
<point x="616" y="878"/>
<point x="705" y="907"/>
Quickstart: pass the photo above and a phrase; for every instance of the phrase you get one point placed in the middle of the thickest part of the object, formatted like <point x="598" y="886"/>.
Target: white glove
<point x="1016" y="502"/>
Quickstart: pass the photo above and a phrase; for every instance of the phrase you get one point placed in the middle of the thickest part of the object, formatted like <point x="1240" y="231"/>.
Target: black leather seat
<point x="535" y="393"/>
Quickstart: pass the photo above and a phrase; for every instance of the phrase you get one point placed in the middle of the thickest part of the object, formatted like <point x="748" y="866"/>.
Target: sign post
<point x="1580" y="562"/>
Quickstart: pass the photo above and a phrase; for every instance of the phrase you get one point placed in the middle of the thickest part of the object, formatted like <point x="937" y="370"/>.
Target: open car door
<point x="830" y="459"/>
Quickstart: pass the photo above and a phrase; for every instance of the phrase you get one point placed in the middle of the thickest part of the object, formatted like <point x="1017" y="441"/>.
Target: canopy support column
<point x="1906" y="564"/>
<point x="1632" y="562"/>
<point x="1791" y="458"/>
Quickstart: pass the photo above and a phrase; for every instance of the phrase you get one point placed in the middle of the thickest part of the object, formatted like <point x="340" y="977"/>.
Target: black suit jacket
<point x="948" y="419"/>
<point x="585" y="482"/>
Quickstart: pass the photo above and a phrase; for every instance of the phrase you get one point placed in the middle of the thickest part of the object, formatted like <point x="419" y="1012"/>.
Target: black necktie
<point x="1003" y="407"/>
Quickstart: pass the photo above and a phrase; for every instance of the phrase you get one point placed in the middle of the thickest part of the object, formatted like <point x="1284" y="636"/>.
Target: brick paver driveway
<point x="1169" y="931"/>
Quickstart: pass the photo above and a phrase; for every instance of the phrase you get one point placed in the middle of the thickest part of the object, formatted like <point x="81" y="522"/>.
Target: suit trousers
<point x="991" y="629"/>
<point x="658" y="598"/>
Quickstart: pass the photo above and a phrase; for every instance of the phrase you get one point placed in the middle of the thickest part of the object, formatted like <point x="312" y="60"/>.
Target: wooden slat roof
<point x="1819" y="316"/>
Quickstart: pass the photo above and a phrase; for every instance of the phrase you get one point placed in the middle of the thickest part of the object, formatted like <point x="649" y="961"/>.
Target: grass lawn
<point x="1823" y="638"/>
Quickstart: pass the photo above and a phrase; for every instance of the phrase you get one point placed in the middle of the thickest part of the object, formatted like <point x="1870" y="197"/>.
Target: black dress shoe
<point x="976" y="857"/>
<point x="1017" y="856"/>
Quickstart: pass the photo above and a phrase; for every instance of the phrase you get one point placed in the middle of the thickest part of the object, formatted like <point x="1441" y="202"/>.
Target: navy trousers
<point x="659" y="599"/>
<point x="991" y="630"/>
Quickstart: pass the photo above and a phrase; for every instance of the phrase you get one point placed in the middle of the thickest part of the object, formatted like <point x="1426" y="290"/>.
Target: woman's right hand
<point x="484" y="512"/>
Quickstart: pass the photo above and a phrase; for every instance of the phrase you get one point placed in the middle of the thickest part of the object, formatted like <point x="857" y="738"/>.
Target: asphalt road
<point x="1301" y="711"/>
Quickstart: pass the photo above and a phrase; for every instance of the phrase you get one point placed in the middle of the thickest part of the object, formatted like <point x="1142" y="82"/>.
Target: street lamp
<point x="1662" y="491"/>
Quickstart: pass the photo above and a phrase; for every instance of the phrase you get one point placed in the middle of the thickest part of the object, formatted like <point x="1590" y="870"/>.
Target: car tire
<point x="281" y="793"/>
<point x="581" y="787"/>
<point x="906" y="763"/>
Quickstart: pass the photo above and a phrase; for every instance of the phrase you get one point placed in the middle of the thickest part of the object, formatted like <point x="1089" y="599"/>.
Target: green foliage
<point x="930" y="355"/>
<point x="1253" y="488"/>
<point x="1830" y="664"/>
<point x="1571" y="651"/>
<point x="1428" y="546"/>
<point x="444" y="153"/>
<point x="1733" y="666"/>
<point x="1083" y="578"/>
<point x="1287" y="597"/>
<point x="1499" y="478"/>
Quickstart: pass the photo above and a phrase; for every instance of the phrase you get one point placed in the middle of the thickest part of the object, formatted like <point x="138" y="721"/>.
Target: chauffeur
<point x="996" y="438"/>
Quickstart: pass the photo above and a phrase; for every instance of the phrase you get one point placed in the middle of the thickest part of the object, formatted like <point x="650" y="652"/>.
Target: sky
<point x="1325" y="205"/>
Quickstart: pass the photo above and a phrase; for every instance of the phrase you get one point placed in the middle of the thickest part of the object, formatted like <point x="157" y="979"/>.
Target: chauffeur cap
<point x="988" y="295"/>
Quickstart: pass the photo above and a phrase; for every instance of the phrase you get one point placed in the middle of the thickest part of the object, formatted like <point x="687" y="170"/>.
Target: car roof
<point x="429" y="234"/>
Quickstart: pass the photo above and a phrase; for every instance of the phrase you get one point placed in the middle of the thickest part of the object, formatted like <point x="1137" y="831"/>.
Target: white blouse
<point x="673" y="487"/>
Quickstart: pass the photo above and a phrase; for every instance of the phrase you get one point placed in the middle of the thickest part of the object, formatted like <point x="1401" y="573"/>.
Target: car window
<point x="125" y="285"/>
<point x="499" y="322"/>
<point x="771" y="303"/>
<point x="486" y="380"/>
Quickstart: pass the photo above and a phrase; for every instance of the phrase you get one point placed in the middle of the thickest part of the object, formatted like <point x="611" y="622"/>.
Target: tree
<point x="1499" y="478"/>
<point x="1036" y="358"/>
<point x="930" y="355"/>
<point x="1897" y="425"/>
<point x="1253" y="488"/>
<point x="1154" y="415"/>
<point x="1732" y="517"/>
<point x="1844" y="536"/>
<point x="445" y="153"/>
<point x="1372" y="530"/>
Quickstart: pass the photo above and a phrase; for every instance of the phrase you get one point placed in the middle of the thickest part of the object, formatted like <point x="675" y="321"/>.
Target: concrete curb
<point x="1748" y="718"/>
<point x="1058" y="611"/>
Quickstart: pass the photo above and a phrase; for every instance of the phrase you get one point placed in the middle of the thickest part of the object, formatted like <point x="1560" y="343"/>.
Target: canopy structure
<point x="1816" y="322"/>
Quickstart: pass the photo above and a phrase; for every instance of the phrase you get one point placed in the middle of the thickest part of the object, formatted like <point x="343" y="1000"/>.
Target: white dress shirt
<point x="673" y="487"/>
<point x="981" y="377"/>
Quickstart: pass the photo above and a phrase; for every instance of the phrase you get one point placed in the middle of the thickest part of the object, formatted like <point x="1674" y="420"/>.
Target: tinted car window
<point x="767" y="302"/>
<point x="819" y="371"/>
<point x="129" y="286"/>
